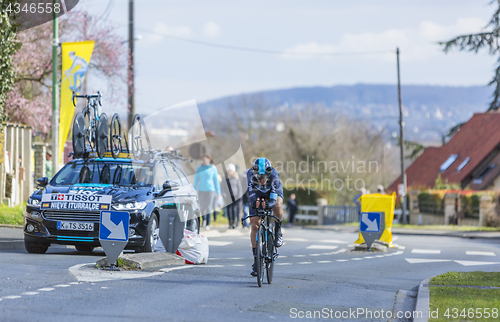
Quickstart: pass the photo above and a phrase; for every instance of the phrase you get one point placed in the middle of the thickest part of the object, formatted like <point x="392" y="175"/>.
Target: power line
<point x="261" y="51"/>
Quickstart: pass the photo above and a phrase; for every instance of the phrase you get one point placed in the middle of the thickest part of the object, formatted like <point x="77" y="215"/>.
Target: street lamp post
<point x="131" y="105"/>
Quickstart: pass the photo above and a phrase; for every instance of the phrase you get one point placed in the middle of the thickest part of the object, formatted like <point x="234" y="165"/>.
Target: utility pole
<point x="131" y="105"/>
<point x="55" y="96"/>
<point x="402" y="147"/>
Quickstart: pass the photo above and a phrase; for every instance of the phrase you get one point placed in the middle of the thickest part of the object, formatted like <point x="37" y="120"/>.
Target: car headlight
<point x="130" y="205"/>
<point x="33" y="202"/>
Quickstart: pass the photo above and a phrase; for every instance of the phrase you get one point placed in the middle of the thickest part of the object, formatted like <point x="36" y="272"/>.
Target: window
<point x="160" y="177"/>
<point x="184" y="180"/>
<point x="448" y="162"/>
<point x="463" y="164"/>
<point x="479" y="178"/>
<point x="172" y="175"/>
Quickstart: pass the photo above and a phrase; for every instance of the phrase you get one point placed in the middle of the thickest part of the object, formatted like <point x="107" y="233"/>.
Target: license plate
<point x="75" y="225"/>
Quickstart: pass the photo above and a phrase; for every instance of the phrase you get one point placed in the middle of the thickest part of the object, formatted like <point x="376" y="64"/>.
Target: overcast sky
<point x="170" y="71"/>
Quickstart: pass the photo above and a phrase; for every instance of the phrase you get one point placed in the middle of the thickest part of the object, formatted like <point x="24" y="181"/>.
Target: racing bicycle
<point x="266" y="251"/>
<point x="90" y="130"/>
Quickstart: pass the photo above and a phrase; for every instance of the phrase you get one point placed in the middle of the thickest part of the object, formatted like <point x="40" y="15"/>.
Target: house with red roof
<point x="471" y="158"/>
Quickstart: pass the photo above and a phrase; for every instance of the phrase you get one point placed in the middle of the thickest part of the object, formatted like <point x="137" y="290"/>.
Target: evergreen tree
<point x="488" y="39"/>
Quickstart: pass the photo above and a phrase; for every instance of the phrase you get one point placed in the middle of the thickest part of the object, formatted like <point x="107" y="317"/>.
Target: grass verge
<point x="465" y="303"/>
<point x="12" y="215"/>
<point x="468" y="278"/>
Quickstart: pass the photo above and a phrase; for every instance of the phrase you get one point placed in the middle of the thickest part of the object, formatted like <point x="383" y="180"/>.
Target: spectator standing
<point x="357" y="201"/>
<point x="48" y="164"/>
<point x="208" y="187"/>
<point x="235" y="189"/>
<point x="292" y="206"/>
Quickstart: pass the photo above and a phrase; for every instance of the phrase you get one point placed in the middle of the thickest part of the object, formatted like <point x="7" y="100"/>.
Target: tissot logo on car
<point x="75" y="202"/>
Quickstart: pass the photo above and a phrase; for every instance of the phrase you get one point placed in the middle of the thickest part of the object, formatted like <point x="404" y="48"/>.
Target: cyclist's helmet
<point x="262" y="168"/>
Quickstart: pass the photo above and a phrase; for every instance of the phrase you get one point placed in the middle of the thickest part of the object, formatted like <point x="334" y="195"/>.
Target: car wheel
<point x="84" y="248"/>
<point x="36" y="248"/>
<point x="152" y="234"/>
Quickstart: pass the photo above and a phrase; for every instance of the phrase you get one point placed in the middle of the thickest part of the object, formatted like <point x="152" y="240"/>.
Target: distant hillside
<point x="429" y="111"/>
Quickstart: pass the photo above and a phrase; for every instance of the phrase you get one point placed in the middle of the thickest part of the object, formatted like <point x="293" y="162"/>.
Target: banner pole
<point x="55" y="94"/>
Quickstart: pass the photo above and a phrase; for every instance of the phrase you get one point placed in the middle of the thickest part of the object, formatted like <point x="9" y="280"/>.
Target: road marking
<point x="104" y="287"/>
<point x="12" y="297"/>
<point x="298" y="255"/>
<point x="480" y="253"/>
<point x="474" y="263"/>
<point x="29" y="293"/>
<point x="297" y="239"/>
<point x="333" y="241"/>
<point x="219" y="243"/>
<point x="324" y="262"/>
<point x="62" y="285"/>
<point x="340" y="251"/>
<point x="46" y="289"/>
<point x="283" y="256"/>
<point x="314" y="254"/>
<point x="88" y="273"/>
<point x="283" y="264"/>
<point x="74" y="283"/>
<point x="342" y="260"/>
<point x="356" y="259"/>
<point x="321" y="247"/>
<point x="380" y="256"/>
<point x="424" y="260"/>
<point x="305" y="263"/>
<point x="237" y="265"/>
<point x="425" y="251"/>
<point x="368" y="257"/>
<point x="236" y="258"/>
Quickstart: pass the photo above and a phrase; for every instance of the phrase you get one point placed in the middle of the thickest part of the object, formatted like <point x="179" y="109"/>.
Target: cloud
<point x="211" y="29"/>
<point x="435" y="32"/>
<point x="417" y="44"/>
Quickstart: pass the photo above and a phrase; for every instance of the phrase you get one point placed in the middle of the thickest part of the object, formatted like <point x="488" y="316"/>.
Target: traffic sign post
<point x="371" y="226"/>
<point x="113" y="234"/>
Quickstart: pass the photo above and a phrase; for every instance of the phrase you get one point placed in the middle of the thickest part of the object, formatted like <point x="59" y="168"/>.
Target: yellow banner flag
<point x="75" y="62"/>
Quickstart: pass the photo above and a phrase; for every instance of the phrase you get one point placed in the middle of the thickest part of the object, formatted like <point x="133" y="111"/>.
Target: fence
<point x="16" y="183"/>
<point x="331" y="214"/>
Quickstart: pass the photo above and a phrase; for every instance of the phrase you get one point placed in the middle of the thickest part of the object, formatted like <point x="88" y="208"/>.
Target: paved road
<point x="315" y="270"/>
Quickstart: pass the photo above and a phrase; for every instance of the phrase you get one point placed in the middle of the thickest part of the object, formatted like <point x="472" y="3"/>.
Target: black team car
<point x="140" y="188"/>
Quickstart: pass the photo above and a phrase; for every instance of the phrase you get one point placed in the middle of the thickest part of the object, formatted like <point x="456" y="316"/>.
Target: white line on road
<point x="238" y="265"/>
<point x="298" y="255"/>
<point x="356" y="259"/>
<point x="219" y="243"/>
<point x="380" y="256"/>
<point x="479" y="253"/>
<point x="368" y="257"/>
<point x="29" y="293"/>
<point x="324" y="262"/>
<point x="333" y="241"/>
<point x="46" y="289"/>
<point x="342" y="260"/>
<point x="62" y="285"/>
<point x="474" y="263"/>
<point x="321" y="247"/>
<point x="283" y="264"/>
<point x="314" y="254"/>
<point x="425" y="260"/>
<point x="425" y="251"/>
<point x="305" y="263"/>
<point x="236" y="258"/>
<point x="12" y="297"/>
<point x="297" y="239"/>
<point x="74" y="283"/>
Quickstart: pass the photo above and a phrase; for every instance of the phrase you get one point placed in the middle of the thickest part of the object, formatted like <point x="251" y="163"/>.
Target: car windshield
<point x="98" y="172"/>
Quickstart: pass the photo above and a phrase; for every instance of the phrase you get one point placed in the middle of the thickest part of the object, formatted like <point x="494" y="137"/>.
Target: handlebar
<point x="261" y="215"/>
<point x="88" y="97"/>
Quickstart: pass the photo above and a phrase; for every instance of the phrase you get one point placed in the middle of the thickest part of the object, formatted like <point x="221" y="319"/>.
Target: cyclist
<point x="264" y="184"/>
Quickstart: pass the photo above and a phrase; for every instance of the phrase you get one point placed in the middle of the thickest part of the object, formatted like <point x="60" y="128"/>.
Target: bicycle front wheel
<point x="261" y="254"/>
<point x="270" y="257"/>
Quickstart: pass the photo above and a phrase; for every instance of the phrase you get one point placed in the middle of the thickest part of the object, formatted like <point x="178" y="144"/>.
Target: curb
<point x="422" y="304"/>
<point x="12" y="244"/>
<point x="11" y="226"/>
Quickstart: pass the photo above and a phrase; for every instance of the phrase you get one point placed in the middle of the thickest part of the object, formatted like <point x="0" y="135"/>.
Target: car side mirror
<point x="169" y="186"/>
<point x="42" y="182"/>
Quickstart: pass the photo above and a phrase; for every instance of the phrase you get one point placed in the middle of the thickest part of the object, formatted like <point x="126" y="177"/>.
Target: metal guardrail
<point x="307" y="214"/>
<point x="340" y="214"/>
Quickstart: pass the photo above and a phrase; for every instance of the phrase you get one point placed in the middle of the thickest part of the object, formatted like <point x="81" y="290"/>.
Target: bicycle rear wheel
<point x="270" y="257"/>
<point x="115" y="137"/>
<point x="261" y="251"/>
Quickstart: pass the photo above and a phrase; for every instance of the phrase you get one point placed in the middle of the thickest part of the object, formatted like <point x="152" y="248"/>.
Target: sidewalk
<point x="11" y="237"/>
<point x="415" y="232"/>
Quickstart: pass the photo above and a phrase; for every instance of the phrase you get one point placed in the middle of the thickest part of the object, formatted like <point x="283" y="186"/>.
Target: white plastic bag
<point x="194" y="248"/>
